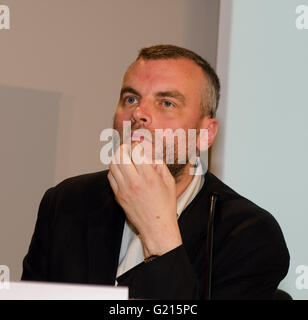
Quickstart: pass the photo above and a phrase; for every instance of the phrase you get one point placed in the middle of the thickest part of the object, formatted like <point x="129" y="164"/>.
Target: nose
<point x="142" y="115"/>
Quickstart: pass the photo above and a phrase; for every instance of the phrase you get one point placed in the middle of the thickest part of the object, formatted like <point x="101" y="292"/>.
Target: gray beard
<point x="176" y="170"/>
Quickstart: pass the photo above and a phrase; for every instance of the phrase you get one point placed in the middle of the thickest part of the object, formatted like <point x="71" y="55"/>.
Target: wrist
<point x="150" y="258"/>
<point x="159" y="247"/>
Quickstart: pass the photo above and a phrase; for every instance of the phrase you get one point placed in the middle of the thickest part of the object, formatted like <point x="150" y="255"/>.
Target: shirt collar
<point x="192" y="189"/>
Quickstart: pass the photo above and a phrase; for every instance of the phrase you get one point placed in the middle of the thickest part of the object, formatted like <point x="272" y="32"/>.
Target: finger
<point x="113" y="183"/>
<point x="142" y="157"/>
<point x="116" y="172"/>
<point x="127" y="167"/>
<point x="137" y="156"/>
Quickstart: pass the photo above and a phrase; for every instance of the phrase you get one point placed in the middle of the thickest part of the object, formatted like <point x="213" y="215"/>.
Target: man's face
<point x="161" y="94"/>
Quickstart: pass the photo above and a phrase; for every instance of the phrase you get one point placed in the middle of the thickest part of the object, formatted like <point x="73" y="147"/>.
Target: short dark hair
<point x="210" y="100"/>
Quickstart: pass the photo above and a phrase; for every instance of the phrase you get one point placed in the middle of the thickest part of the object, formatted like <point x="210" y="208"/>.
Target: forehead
<point x="179" y="73"/>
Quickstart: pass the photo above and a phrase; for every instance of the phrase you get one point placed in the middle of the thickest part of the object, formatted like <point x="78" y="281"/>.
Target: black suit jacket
<point x="78" y="236"/>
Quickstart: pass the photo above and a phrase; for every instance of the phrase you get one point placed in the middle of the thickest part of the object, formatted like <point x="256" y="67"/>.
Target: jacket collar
<point x="105" y="228"/>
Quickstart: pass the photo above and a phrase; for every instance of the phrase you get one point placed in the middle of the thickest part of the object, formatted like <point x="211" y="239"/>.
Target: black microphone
<point x="209" y="245"/>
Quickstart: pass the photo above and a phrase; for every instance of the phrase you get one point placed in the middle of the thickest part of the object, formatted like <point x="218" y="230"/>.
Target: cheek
<point x="119" y="117"/>
<point x="161" y="123"/>
<point x="180" y="124"/>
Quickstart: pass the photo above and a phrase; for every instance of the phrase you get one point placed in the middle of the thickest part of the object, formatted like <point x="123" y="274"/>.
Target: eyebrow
<point x="161" y="94"/>
<point x="129" y="90"/>
<point x="171" y="94"/>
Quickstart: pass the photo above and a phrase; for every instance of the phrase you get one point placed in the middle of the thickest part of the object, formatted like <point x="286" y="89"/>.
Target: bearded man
<point x="145" y="225"/>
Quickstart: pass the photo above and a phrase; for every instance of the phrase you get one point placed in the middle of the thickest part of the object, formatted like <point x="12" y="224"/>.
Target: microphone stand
<point x="209" y="246"/>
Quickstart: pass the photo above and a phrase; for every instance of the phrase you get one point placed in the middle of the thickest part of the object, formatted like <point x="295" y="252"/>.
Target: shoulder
<point x="248" y="235"/>
<point x="240" y="217"/>
<point x="84" y="181"/>
<point x="78" y="191"/>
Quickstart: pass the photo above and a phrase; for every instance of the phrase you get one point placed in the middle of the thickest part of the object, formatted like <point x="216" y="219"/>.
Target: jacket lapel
<point x="193" y="220"/>
<point x="105" y="229"/>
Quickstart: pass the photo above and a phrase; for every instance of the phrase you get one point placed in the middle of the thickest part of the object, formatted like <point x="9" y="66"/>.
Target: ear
<point x="206" y="137"/>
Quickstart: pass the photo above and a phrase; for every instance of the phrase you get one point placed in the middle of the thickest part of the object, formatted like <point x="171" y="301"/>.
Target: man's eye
<point x="168" y="104"/>
<point x="131" y="100"/>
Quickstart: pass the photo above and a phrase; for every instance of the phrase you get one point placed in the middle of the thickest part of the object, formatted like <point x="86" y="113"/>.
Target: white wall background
<point x="262" y="149"/>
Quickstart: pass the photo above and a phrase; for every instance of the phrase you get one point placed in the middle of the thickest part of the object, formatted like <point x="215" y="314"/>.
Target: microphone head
<point x="215" y="194"/>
